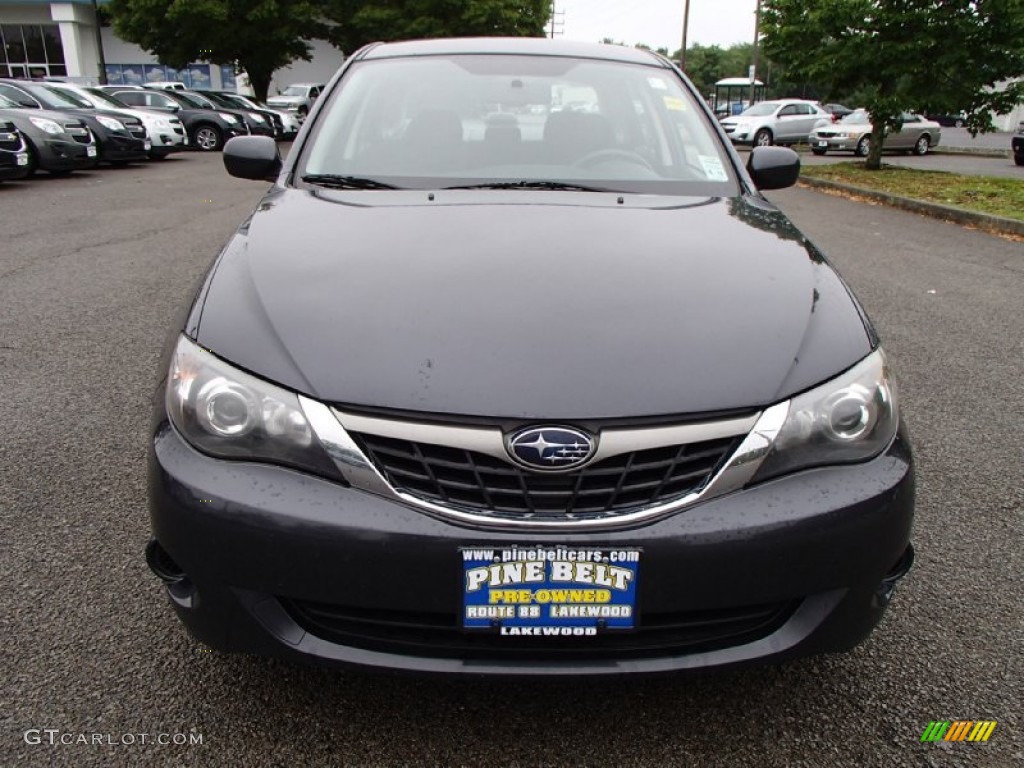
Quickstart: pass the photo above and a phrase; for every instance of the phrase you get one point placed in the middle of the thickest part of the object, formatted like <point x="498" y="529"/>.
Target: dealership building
<point x="39" y="39"/>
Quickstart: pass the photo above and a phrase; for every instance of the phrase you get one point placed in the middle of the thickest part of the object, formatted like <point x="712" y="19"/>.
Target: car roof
<point x="526" y="46"/>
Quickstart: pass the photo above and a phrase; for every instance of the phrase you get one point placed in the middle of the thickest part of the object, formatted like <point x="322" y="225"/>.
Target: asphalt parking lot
<point x="93" y="268"/>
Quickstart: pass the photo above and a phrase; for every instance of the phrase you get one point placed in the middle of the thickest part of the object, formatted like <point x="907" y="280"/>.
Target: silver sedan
<point x="853" y="134"/>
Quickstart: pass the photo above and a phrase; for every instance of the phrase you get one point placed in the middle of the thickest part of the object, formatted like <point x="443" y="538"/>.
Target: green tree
<point x="358" y="22"/>
<point x="929" y="55"/>
<point x="259" y="35"/>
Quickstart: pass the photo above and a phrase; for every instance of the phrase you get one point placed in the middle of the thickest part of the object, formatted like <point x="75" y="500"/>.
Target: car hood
<point x="284" y="101"/>
<point x="537" y="305"/>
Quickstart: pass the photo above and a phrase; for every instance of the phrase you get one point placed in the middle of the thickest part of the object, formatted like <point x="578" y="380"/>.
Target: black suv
<point x="13" y="152"/>
<point x="120" y="139"/>
<point x="55" y="141"/>
<point x="1017" y="144"/>
<point x="208" y="126"/>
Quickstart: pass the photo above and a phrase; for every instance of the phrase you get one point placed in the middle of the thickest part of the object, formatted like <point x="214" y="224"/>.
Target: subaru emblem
<point x="551" y="448"/>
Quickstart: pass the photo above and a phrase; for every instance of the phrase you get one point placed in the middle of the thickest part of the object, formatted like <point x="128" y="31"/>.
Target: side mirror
<point x="252" y="157"/>
<point x="773" y="167"/>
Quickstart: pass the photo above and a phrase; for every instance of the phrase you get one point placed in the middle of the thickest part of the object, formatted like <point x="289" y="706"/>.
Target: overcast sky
<point x="658" y="22"/>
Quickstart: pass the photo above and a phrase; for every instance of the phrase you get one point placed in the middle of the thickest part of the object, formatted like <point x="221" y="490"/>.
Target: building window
<point x="31" y="50"/>
<point x="193" y="76"/>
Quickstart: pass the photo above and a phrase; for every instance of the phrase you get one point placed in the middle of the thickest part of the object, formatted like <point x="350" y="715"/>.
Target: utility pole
<point x="753" y="66"/>
<point x="560" y="22"/>
<point x="686" y="27"/>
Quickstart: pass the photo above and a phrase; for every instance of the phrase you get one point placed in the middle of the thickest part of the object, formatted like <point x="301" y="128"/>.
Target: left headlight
<point x="257" y="118"/>
<point x="110" y="123"/>
<point x="851" y="418"/>
<point x="228" y="413"/>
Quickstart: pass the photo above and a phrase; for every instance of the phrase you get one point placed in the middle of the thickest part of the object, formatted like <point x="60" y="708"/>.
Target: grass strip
<point x="984" y="194"/>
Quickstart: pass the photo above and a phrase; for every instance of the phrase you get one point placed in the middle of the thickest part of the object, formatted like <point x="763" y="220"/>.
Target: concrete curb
<point x="972" y="151"/>
<point x="987" y="222"/>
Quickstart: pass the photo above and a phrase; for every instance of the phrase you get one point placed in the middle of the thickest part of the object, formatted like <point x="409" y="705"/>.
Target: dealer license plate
<point x="549" y="591"/>
<point x="147" y="145"/>
<point x="21" y="159"/>
<point x="90" y="151"/>
<point x="822" y="143"/>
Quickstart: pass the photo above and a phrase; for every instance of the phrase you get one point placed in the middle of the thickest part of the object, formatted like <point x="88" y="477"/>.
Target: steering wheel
<point x="600" y="155"/>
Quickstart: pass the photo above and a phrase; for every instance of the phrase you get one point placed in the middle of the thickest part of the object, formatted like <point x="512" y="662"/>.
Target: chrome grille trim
<point x="331" y="427"/>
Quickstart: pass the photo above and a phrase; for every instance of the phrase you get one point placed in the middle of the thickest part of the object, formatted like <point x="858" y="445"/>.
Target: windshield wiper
<point x="337" y="181"/>
<point x="552" y="185"/>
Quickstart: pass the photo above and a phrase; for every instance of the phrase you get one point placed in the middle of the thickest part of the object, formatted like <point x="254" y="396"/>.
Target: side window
<point x="130" y="97"/>
<point x="314" y="92"/>
<point x="788" y="111"/>
<point x="805" y="109"/>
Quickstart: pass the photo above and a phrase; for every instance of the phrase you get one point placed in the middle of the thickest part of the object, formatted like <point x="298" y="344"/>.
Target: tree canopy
<point x="264" y="35"/>
<point x="897" y="55"/>
<point x="260" y="35"/>
<point x="358" y="22"/>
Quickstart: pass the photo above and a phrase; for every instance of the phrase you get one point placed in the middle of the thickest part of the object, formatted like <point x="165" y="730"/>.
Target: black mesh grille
<point x="437" y="634"/>
<point x="135" y="127"/>
<point x="475" y="481"/>
<point x="78" y="132"/>
<point x="9" y="139"/>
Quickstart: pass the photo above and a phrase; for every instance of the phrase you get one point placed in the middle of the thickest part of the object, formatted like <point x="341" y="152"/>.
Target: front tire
<point x="863" y="147"/>
<point x="922" y="146"/>
<point x="763" y="138"/>
<point x="207" y="138"/>
<point x="1018" y="159"/>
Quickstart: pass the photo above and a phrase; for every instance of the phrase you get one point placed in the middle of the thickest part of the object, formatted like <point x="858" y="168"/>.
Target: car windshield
<point x="540" y="121"/>
<point x="294" y="90"/>
<point x="856" y="118"/>
<point x="52" y="99"/>
<point x="191" y="100"/>
<point x="763" y="109"/>
<point x="106" y="98"/>
<point x="71" y="96"/>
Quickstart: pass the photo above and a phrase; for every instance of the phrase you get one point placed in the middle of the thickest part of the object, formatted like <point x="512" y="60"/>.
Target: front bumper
<point x="832" y="144"/>
<point x="115" y="148"/>
<point x="66" y="155"/>
<point x="13" y="165"/>
<point x="258" y="552"/>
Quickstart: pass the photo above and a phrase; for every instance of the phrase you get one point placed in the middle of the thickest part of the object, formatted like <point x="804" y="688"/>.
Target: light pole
<point x="99" y="43"/>
<point x="686" y="26"/>
<point x="753" y="65"/>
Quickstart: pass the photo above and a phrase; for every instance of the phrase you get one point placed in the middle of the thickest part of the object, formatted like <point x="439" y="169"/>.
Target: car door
<point x="787" y="123"/>
<point x="907" y="135"/>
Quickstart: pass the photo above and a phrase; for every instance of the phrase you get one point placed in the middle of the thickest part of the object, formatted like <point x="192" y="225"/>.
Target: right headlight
<point x="850" y="418"/>
<point x="50" y="126"/>
<point x="228" y="118"/>
<point x="228" y="413"/>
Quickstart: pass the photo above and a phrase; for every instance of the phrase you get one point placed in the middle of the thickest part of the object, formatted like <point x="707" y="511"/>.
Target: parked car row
<point x="62" y="127"/>
<point x="827" y="128"/>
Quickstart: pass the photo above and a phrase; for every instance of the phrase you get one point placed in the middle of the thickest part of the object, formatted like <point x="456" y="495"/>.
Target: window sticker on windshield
<point x="657" y="82"/>
<point x="713" y="168"/>
<point x="674" y="104"/>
